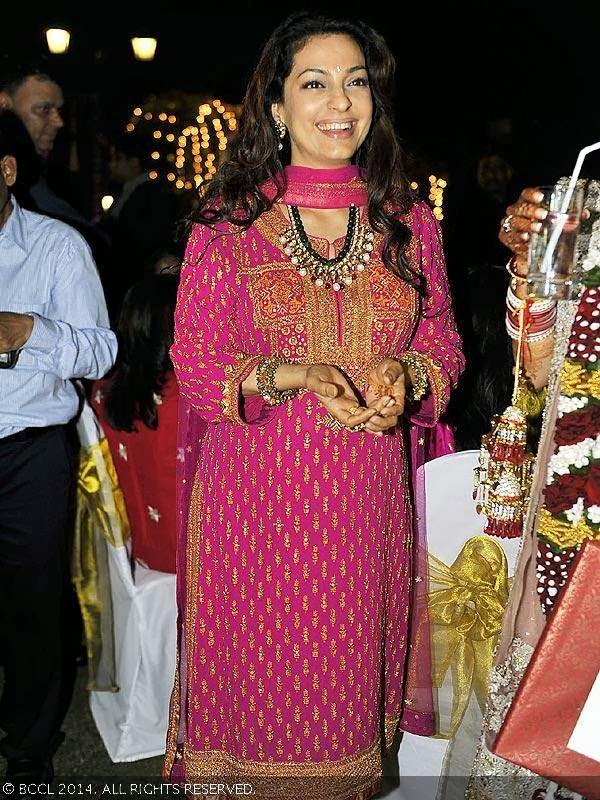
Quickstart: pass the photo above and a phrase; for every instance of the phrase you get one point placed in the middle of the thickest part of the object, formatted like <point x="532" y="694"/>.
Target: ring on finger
<point x="353" y="410"/>
<point x="506" y="226"/>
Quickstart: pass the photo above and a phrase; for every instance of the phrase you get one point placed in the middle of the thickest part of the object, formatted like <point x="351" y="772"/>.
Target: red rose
<point x="564" y="492"/>
<point x="592" y="487"/>
<point x="578" y="425"/>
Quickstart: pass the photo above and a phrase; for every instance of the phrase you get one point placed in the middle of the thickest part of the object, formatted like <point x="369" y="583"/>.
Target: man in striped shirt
<point x="53" y="329"/>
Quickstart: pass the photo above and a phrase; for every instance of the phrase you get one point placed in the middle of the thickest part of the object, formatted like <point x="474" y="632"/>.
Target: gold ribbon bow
<point x="101" y="518"/>
<point x="466" y="605"/>
<point x="93" y="504"/>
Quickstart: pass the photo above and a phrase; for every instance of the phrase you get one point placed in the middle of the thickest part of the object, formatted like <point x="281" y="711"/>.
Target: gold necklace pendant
<point x="332" y="273"/>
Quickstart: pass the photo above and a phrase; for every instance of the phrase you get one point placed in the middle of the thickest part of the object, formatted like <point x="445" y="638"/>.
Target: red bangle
<point x="544" y="323"/>
<point x="535" y="320"/>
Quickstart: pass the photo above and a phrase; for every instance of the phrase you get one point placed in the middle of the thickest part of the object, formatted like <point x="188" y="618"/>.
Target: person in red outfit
<point x="138" y="407"/>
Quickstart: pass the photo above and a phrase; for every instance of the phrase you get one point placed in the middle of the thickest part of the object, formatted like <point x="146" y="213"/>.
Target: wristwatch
<point x="8" y="360"/>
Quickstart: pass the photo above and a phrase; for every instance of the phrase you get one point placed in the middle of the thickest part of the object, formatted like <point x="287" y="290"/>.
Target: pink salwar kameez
<point x="297" y="576"/>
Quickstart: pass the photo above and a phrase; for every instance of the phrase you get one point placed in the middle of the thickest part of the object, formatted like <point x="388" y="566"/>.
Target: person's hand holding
<point x="387" y="381"/>
<point x="335" y="393"/>
<point x="522" y="219"/>
<point x="15" y="330"/>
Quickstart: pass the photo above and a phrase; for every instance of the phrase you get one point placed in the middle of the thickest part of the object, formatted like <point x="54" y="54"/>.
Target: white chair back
<point x="133" y="721"/>
<point x="452" y="520"/>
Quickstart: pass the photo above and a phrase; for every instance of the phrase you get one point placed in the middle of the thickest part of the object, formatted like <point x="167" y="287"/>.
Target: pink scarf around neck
<point x="319" y="188"/>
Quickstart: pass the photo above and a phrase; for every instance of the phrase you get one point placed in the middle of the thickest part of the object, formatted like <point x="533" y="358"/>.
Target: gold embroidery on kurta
<point x="352" y="329"/>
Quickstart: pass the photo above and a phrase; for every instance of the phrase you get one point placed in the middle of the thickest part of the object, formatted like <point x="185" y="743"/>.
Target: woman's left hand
<point x="387" y="378"/>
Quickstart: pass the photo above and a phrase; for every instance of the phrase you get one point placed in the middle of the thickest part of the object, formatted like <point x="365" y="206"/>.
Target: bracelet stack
<point x="540" y="314"/>
<point x="421" y="378"/>
<point x="265" y="382"/>
<point x="541" y="317"/>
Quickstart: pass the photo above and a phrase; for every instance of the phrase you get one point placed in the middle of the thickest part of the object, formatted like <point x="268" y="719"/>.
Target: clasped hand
<point x="384" y="398"/>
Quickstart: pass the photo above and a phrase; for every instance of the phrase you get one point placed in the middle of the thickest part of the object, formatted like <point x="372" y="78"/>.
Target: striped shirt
<point x="47" y="270"/>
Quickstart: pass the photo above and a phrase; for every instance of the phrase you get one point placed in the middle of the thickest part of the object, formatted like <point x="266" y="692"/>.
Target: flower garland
<point x="571" y="512"/>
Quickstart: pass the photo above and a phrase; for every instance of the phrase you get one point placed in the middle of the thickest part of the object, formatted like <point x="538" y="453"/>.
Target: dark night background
<point x="461" y="65"/>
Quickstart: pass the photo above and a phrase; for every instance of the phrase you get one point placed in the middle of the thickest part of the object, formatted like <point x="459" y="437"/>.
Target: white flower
<point x="572" y="455"/>
<point x="593" y="513"/>
<point x="596" y="448"/>
<point x="122" y="451"/>
<point x="559" y="464"/>
<point x="180" y="454"/>
<point x="98" y="396"/>
<point x="157" y="399"/>
<point x="588" y="264"/>
<point x="576" y="513"/>
<point x="568" y="404"/>
<point x="592" y="258"/>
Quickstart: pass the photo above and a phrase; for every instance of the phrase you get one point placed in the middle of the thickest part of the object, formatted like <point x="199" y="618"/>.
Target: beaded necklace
<point x="332" y="273"/>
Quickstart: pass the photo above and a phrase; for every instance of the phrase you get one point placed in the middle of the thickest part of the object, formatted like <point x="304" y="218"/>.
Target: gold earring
<point x="281" y="131"/>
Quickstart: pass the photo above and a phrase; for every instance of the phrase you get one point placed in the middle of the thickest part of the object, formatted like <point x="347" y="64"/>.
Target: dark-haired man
<point x="53" y="329"/>
<point x="37" y="100"/>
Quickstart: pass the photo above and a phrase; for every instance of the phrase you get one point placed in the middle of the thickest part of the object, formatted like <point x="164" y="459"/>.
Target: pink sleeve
<point x="208" y="352"/>
<point x="436" y="339"/>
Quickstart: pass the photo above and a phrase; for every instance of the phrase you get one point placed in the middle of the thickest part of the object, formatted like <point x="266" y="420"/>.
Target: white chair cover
<point x="451" y="520"/>
<point x="133" y="721"/>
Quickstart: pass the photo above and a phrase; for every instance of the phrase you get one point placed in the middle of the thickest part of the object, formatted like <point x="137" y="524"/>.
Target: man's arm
<point x="78" y="343"/>
<point x="15" y="329"/>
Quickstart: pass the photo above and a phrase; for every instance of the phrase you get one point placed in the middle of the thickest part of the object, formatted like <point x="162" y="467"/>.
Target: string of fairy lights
<point x="187" y="153"/>
<point x="435" y="196"/>
<point x="200" y="145"/>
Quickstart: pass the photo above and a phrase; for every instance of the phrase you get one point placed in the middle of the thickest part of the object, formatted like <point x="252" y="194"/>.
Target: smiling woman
<point x="327" y="105"/>
<point x="313" y="320"/>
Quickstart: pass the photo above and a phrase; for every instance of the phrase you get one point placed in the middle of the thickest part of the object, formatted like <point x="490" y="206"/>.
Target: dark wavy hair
<point x="145" y="330"/>
<point x="235" y="195"/>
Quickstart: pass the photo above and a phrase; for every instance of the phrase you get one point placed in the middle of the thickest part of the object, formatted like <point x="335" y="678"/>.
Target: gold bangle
<point x="421" y="377"/>
<point x="265" y="382"/>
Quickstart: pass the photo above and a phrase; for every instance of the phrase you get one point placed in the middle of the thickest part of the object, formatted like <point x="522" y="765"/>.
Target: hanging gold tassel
<point x="503" y="477"/>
